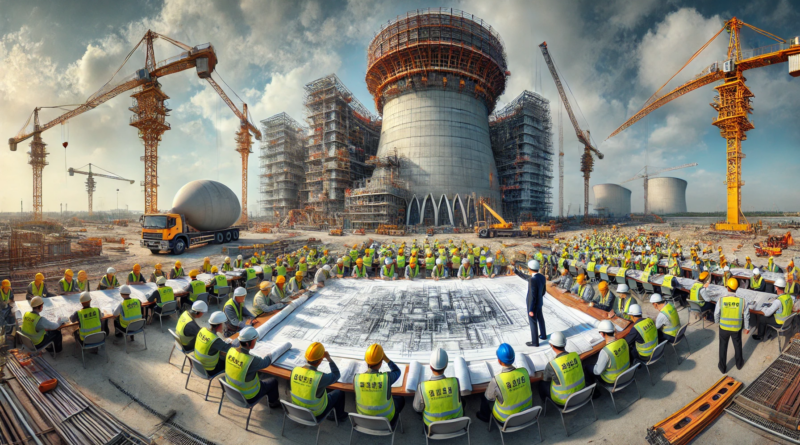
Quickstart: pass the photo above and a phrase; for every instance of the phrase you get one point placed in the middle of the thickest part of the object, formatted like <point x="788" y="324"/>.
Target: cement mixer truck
<point x="203" y="212"/>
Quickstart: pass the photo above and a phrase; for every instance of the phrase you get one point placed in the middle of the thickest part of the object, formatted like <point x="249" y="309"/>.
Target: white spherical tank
<point x="207" y="205"/>
<point x="666" y="195"/>
<point x="612" y="200"/>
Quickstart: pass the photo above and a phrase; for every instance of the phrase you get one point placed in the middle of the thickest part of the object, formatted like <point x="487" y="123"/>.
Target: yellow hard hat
<point x="703" y="275"/>
<point x="325" y="252"/>
<point x="178" y="263"/>
<point x="6" y="284"/>
<point x="302" y="259"/>
<point x="374" y="354"/>
<point x="137" y="268"/>
<point x="38" y="277"/>
<point x="299" y="274"/>
<point x="81" y="275"/>
<point x="194" y="273"/>
<point x="355" y="246"/>
<point x="206" y="259"/>
<point x="581" y="278"/>
<point x="280" y="280"/>
<point x="359" y="261"/>
<point x="305" y="247"/>
<point x="214" y="269"/>
<point x="264" y="285"/>
<point x="732" y="284"/>
<point x="68" y="273"/>
<point x="315" y="351"/>
<point x="603" y="286"/>
<point x="158" y="266"/>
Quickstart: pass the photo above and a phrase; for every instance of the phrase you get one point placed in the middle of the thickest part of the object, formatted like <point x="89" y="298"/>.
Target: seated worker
<point x="583" y="289"/>
<point x="374" y="388"/>
<point x="465" y="271"/>
<point x="623" y="302"/>
<point x="439" y="398"/>
<point x="135" y="276"/>
<point x="220" y="280"/>
<point x="430" y="263"/>
<point x="82" y="283"/>
<point x="157" y="272"/>
<point x="439" y="272"/>
<point x="126" y="312"/>
<point x="37" y="288"/>
<point x="255" y="260"/>
<point x="296" y="286"/>
<point x="307" y="385"/>
<point x="89" y="319"/>
<point x="236" y="312"/>
<point x="109" y="280"/>
<point x="206" y="267"/>
<point x="67" y="284"/>
<point x="210" y="343"/>
<point x="699" y="295"/>
<point x="302" y="266"/>
<point x="510" y="390"/>
<point x="668" y="321"/>
<point x="163" y="294"/>
<point x="413" y="269"/>
<point x="792" y="288"/>
<point x="757" y="282"/>
<point x="489" y="269"/>
<point x="241" y="369"/>
<point x="278" y="294"/>
<point x="39" y="329"/>
<point x="339" y="269"/>
<point x="360" y="270"/>
<point x="400" y="263"/>
<point x="604" y="299"/>
<point x="197" y="289"/>
<point x="748" y="264"/>
<point x="324" y="259"/>
<point x="776" y="313"/>
<point x="565" y="373"/>
<point x="772" y="267"/>
<point x="7" y="317"/>
<point x="226" y="265"/>
<point x="239" y="263"/>
<point x="644" y="335"/>
<point x="323" y="274"/>
<point x="388" y="271"/>
<point x="187" y="327"/>
<point x="281" y="268"/>
<point x="614" y="358"/>
<point x="176" y="271"/>
<point x="261" y="301"/>
<point x="564" y="281"/>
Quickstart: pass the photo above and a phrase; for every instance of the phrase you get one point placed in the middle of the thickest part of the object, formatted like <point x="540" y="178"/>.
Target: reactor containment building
<point x="666" y="195"/>
<point x="612" y="200"/>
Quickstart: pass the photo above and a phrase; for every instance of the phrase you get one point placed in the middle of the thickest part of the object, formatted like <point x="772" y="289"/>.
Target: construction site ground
<point x="148" y="376"/>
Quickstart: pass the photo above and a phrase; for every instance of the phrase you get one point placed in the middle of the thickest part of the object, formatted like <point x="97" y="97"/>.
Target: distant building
<point x="282" y="157"/>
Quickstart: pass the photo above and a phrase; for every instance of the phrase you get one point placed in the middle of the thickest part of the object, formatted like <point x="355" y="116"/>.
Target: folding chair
<point x="696" y="308"/>
<point x="28" y="344"/>
<point x="238" y="399"/>
<point x="658" y="353"/>
<point x="573" y="271"/>
<point x="303" y="416"/>
<point x="448" y="429"/>
<point x="197" y="368"/>
<point x="623" y="381"/>
<point x="92" y="341"/>
<point x="222" y="294"/>
<point x="373" y="426"/>
<point x="169" y="308"/>
<point x="518" y="422"/>
<point x="787" y="326"/>
<point x="180" y="347"/>
<point x="679" y="338"/>
<point x="648" y="288"/>
<point x="592" y="276"/>
<point x="574" y="402"/>
<point x="634" y="286"/>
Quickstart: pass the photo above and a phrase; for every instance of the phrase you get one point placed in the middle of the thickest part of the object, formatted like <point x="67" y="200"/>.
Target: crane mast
<point x="91" y="184"/>
<point x="560" y="161"/>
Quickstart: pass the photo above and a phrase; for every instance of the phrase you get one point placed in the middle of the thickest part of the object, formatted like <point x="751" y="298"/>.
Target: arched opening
<point x="428" y="211"/>
<point x="459" y="218"/>
<point x="412" y="214"/>
<point x="472" y="218"/>
<point x="444" y="215"/>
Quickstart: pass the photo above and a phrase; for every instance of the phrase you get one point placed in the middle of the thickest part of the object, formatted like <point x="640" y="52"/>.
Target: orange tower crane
<point x="732" y="103"/>
<point x="91" y="185"/>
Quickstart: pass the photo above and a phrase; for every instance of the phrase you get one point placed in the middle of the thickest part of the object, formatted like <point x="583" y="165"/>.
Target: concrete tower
<point x="666" y="195"/>
<point x="612" y="200"/>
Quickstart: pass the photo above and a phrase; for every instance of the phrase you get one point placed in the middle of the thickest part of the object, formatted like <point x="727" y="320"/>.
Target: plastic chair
<point x="648" y="288"/>
<point x="787" y="326"/>
<point x="373" y="426"/>
<point x="203" y="297"/>
<point x="658" y="353"/>
<point x="303" y="416"/>
<point x="592" y="276"/>
<point x="197" y="368"/>
<point x="238" y="399"/>
<point x="679" y="338"/>
<point x="251" y="284"/>
<point x="92" y="341"/>
<point x="518" y="422"/>
<point x="180" y="347"/>
<point x="169" y="308"/>
<point x="696" y="308"/>
<point x="222" y="294"/>
<point x="448" y="429"/>
<point x="623" y="381"/>
<point x="573" y="271"/>
<point x="28" y="344"/>
<point x="621" y="279"/>
<point x="574" y="402"/>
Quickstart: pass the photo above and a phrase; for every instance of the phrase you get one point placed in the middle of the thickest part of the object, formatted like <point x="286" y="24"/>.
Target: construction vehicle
<point x="501" y="228"/>
<point x="91" y="184"/>
<point x="390" y="229"/>
<point x="336" y="232"/>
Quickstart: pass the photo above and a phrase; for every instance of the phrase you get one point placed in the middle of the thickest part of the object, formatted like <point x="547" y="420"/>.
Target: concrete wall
<point x="666" y="195"/>
<point x="615" y="199"/>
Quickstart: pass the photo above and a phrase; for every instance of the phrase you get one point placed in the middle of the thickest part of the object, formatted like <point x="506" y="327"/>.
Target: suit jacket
<point x="536" y="289"/>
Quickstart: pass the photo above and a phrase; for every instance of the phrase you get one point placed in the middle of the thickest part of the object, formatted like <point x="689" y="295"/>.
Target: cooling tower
<point x="666" y="195"/>
<point x="612" y="200"/>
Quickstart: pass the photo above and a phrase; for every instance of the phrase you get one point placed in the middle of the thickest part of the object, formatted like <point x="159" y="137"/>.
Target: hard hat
<point x="111" y="270"/>
<point x="304" y="247"/>
<point x="438" y="360"/>
<point x="606" y="326"/>
<point x="732" y="284"/>
<point x="340" y="260"/>
<point x="315" y="351"/>
<point x="374" y="354"/>
<point x="6" y="283"/>
<point x="564" y="272"/>
<point x="771" y="258"/>
<point x="239" y="257"/>
<point x="703" y="275"/>
<point x="137" y="268"/>
<point x="298" y="274"/>
<point x="161" y="281"/>
<point x="178" y="263"/>
<point x="413" y="260"/>
<point x="86" y="296"/>
<point x="756" y="271"/>
<point x="438" y="261"/>
<point x="36" y="301"/>
<point x="325" y="252"/>
<point x="533" y="265"/>
<point x="726" y="269"/>
<point x="483" y="252"/>
<point x="68" y="273"/>
<point x="505" y="353"/>
<point x="489" y="260"/>
<point x="558" y="340"/>
<point x="217" y="318"/>
<point x="465" y="261"/>
<point x="206" y="259"/>
<point x="265" y="284"/>
<point x="355" y="246"/>
<point x="200" y="306"/>
<point x="240" y="292"/>
<point x="635" y="310"/>
<point x="125" y="290"/>
<point x="623" y="289"/>
<point x="81" y="275"/>
<point x="246" y="265"/>
<point x="747" y="257"/>
<point x="302" y="259"/>
<point x="227" y="259"/>
<point x="194" y="273"/>
<point x="214" y="269"/>
<point x="581" y="278"/>
<point x="158" y="266"/>
<point x="249" y="333"/>
<point x="780" y="282"/>
<point x="387" y="261"/>
<point x="326" y="267"/>
<point x="359" y="261"/>
<point x="603" y="286"/>
<point x="280" y="280"/>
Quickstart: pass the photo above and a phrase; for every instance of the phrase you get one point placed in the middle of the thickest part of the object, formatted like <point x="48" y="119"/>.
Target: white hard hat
<point x="217" y="318"/>
<point x="200" y="306"/>
<point x="656" y="298"/>
<point x="623" y="289"/>
<point x="533" y="265"/>
<point x="465" y="261"/>
<point x="240" y="292"/>
<point x="387" y="261"/>
<point x="756" y="271"/>
<point x="438" y="261"/>
<point x="247" y="334"/>
<point x="161" y="281"/>
<point x="125" y="290"/>
<point x="483" y="252"/>
<point x="635" y="309"/>
<point x="239" y="257"/>
<point x="326" y="267"/>
<point x="111" y="270"/>
<point x="726" y="269"/>
<point x="489" y="260"/>
<point x="780" y="282"/>
<point x="606" y="326"/>
<point x="86" y="296"/>
<point x="227" y="259"/>
<point x="438" y="359"/>
<point x="558" y="340"/>
<point x="340" y="260"/>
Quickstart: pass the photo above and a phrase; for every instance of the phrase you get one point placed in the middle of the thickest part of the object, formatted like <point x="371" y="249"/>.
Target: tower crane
<point x="732" y="103"/>
<point x="649" y="175"/>
<point x="587" y="161"/>
<point x="90" y="182"/>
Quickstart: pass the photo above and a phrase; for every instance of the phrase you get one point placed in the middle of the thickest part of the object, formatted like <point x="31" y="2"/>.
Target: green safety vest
<point x="674" y="320"/>
<point x="755" y="284"/>
<point x="439" y="273"/>
<point x="267" y="272"/>
<point x="430" y="262"/>
<point x="184" y="319"/>
<point x="465" y="269"/>
<point x="291" y="261"/>
<point x="456" y="259"/>
<point x="297" y="283"/>
<point x="619" y="360"/>
<point x="413" y="271"/>
<point x="236" y="366"/>
<point x="339" y="270"/>
<point x="131" y="311"/>
<point x="590" y="267"/>
<point x="570" y="374"/>
<point x="304" y="386"/>
<point x="732" y="311"/>
<point x="482" y="260"/>
<point x="206" y="268"/>
<point x="281" y="270"/>
<point x="667" y="282"/>
<point x="353" y="254"/>
<point x="29" y="321"/>
<point x="647" y="329"/>
<point x="37" y="292"/>
<point x="202" y="346"/>
<point x="236" y="309"/>
<point x="178" y="272"/>
<point x="471" y="259"/>
<point x="134" y="279"/>
<point x="114" y="283"/>
<point x="82" y="286"/>
<point x="66" y="287"/>
<point x="226" y="267"/>
<point x="441" y="400"/>
<point x="401" y="261"/>
<point x="254" y="260"/>
<point x="368" y="259"/>
<point x="371" y="390"/>
<point x="515" y="386"/>
<point x="346" y="261"/>
<point x="198" y="287"/>
<point x="786" y="308"/>
<point x="167" y="295"/>
<point x="388" y="272"/>
<point x="303" y="267"/>
<point x="281" y="292"/>
<point x="361" y="272"/>
<point x="604" y="300"/>
<point x="5" y="295"/>
<point x="694" y="293"/>
<point x="561" y="263"/>
<point x="250" y="273"/>
<point x="476" y="251"/>
<point x="220" y="281"/>
<point x="622" y="311"/>
<point x="89" y="322"/>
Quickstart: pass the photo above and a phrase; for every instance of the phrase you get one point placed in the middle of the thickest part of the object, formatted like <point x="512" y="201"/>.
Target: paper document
<point x="579" y="344"/>
<point x="414" y="374"/>
<point x="540" y="360"/>
<point x="462" y="374"/>
<point x="479" y="372"/>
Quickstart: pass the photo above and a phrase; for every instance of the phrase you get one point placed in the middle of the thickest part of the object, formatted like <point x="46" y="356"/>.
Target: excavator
<point x="504" y="228"/>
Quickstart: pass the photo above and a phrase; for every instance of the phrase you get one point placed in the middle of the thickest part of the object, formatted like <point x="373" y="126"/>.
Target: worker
<point x="726" y="275"/>
<point x="176" y="271"/>
<point x="488" y="269"/>
<point x="323" y="274"/>
<point x="82" y="283"/>
<point x="237" y="313"/>
<point x="748" y="263"/>
<point x="455" y="259"/>
<point x="261" y="301"/>
<point x="295" y="287"/>
<point x="465" y="271"/>
<point x="439" y="272"/>
<point x="734" y="315"/>
<point x="126" y="312"/>
<point x="439" y="398"/>
<point x="254" y="260"/>
<point x="40" y="330"/>
<point x="339" y="269"/>
<point x="791" y="270"/>
<point x="564" y="282"/>
<point x="67" y="285"/>
<point x="266" y="271"/>
<point x="564" y="372"/>
<point x="623" y="302"/>
<point x="210" y="343"/>
<point x="302" y="266"/>
<point x="109" y="280"/>
<point x="412" y="270"/>
<point x="7" y="317"/>
<point x="239" y="263"/>
<point x="644" y="335"/>
<point x="346" y="262"/>
<point x="38" y="288"/>
<point x="537" y="287"/>
<point x="510" y="389"/>
<point x="278" y="294"/>
<point x="241" y="370"/>
<point x="360" y="269"/>
<point x="614" y="358"/>
<point x="354" y="253"/>
<point x="197" y="289"/>
<point x="697" y="268"/>
<point x="308" y="385"/>
<point x="220" y="280"/>
<point x="162" y="295"/>
<point x="226" y="265"/>
<point x="775" y="313"/>
<point x="89" y="320"/>
<point x="772" y="267"/>
<point x="583" y="289"/>
<point x="374" y="388"/>
<point x="430" y="263"/>
<point x="791" y="285"/>
<point x="187" y="327"/>
<point x="157" y="272"/>
<point x="757" y="282"/>
<point x="281" y="268"/>
<point x="388" y="271"/>
<point x="135" y="276"/>
<point x="668" y="322"/>
<point x="604" y="299"/>
<point x="324" y="259"/>
<point x="699" y="295"/>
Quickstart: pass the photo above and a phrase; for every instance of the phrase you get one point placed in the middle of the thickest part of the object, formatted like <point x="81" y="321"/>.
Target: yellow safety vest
<point x="732" y="311"/>
<point x="361" y="272"/>
<point x="755" y="284"/>
<point x="413" y="271"/>
<point x="166" y="294"/>
<point x="104" y="282"/>
<point x="371" y="395"/>
<point x="236" y="367"/>
<point x="65" y="286"/>
<point x="786" y="308"/>
<point x="515" y="386"/>
<point x="198" y="287"/>
<point x="178" y="272"/>
<point x="220" y="281"/>
<point x="37" y="292"/>
<point x="647" y="329"/>
<point x="304" y="386"/>
<point x="570" y="375"/>
<point x="202" y="346"/>
<point x="388" y="272"/>
<point x="619" y="360"/>
<point x="131" y="310"/>
<point x="184" y="319"/>
<point x="5" y="295"/>
<point x="89" y="322"/>
<point x="622" y="311"/>
<point x="694" y="293"/>
<point x="441" y="400"/>
<point x="29" y="321"/>
<point x="236" y="309"/>
<point x="674" y="320"/>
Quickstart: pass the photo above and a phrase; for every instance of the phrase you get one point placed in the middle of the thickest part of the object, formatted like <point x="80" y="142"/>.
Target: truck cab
<point x="162" y="231"/>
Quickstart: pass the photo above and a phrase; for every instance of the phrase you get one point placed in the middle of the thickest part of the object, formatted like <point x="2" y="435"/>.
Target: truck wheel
<point x="218" y="238"/>
<point x="154" y="251"/>
<point x="483" y="233"/>
<point x="228" y="236"/>
<point x="180" y="246"/>
<point x="235" y="235"/>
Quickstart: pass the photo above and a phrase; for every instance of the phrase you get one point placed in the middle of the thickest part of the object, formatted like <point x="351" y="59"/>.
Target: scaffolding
<point x="343" y="135"/>
<point x="523" y="151"/>
<point x="381" y="199"/>
<point x="282" y="160"/>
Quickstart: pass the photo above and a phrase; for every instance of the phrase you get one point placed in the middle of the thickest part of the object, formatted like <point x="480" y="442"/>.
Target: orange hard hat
<point x="603" y="286"/>
<point x="280" y="280"/>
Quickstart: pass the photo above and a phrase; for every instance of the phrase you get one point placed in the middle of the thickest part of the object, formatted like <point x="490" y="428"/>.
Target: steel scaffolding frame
<point x="381" y="199"/>
<point x="282" y="158"/>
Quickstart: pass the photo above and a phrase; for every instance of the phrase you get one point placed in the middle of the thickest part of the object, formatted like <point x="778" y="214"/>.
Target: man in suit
<point x="536" y="289"/>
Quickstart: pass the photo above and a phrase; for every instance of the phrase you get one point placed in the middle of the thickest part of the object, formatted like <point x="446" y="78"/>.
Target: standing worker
<point x="308" y="385"/>
<point x="510" y="390"/>
<point x="37" y="288"/>
<point x="439" y="398"/>
<point x="39" y="329"/>
<point x="237" y="313"/>
<point x="126" y="312"/>
<point x="241" y="370"/>
<point x="699" y="295"/>
<point x="780" y="307"/>
<point x="731" y="314"/>
<point x="89" y="319"/>
<point x="537" y="286"/>
<point x="109" y="280"/>
<point x="564" y="372"/>
<point x="374" y="388"/>
<point x="614" y="358"/>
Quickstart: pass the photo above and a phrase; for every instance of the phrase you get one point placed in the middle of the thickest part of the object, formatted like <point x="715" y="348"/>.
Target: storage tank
<point x="666" y="195"/>
<point x="612" y="200"/>
<point x="207" y="205"/>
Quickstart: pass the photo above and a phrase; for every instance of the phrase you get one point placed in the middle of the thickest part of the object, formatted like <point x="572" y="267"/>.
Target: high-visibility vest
<point x="441" y="400"/>
<point x="37" y="292"/>
<point x="482" y="260"/>
<point x="250" y="273"/>
<point x="89" y="322"/>
<point x="623" y="304"/>
<point x="401" y="261"/>
<point x="66" y="287"/>
<point x="786" y="308"/>
<point x="667" y="281"/>
<point x="281" y="270"/>
<point x="755" y="284"/>
<point x="430" y="262"/>
<point x="133" y="278"/>
<point x="281" y="292"/>
<point x="437" y="272"/>
<point x="82" y="285"/>
<point x="226" y="267"/>
<point x="198" y="287"/>
<point x="581" y="288"/>
<point x="353" y="254"/>
<point x="178" y="272"/>
<point x="371" y="395"/>
<point x="413" y="271"/>
<point x="267" y="272"/>
<point x="291" y="261"/>
<point x="5" y="295"/>
<point x="674" y="320"/>
<point x="254" y="260"/>
<point x="619" y="360"/>
<point x="471" y="259"/>
<point x="166" y="294"/>
<point x="304" y="386"/>
<point x="346" y="260"/>
<point x="29" y="321"/>
<point x="220" y="281"/>
<point x="236" y="308"/>
<point x="302" y="267"/>
<point x="368" y="259"/>
<point x="731" y="313"/>
<point x="131" y="310"/>
<point x="184" y="319"/>
<point x="202" y="347"/>
<point x="361" y="272"/>
<point x="456" y="259"/>
<point x="749" y="266"/>
<point x="694" y="293"/>
<point x="465" y="269"/>
<point x="239" y="264"/>
<point x="570" y="375"/>
<point x="604" y="299"/>
<point x="647" y="329"/>
<point x="388" y="272"/>
<point x="206" y="268"/>
<point x="114" y="283"/>
<point x="339" y="270"/>
<point x="236" y="366"/>
<point x="297" y="283"/>
<point x="515" y="386"/>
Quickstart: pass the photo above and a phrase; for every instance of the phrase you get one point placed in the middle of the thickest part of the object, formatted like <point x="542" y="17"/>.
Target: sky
<point x="612" y="54"/>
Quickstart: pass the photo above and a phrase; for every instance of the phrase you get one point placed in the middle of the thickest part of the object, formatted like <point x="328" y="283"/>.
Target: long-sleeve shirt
<point x="154" y="276"/>
<point x="419" y="401"/>
<point x="704" y="295"/>
<point x="190" y="330"/>
<point x="293" y="287"/>
<point x="384" y="272"/>
<point x="550" y="373"/>
<point x="489" y="270"/>
<point x="563" y="282"/>
<point x="233" y="319"/>
<point x="609" y="304"/>
<point x="602" y="362"/>
<point x="588" y="291"/>
<point x="773" y="307"/>
<point x="461" y="272"/>
<point x="221" y="346"/>
<point x="327" y="379"/>
<point x="492" y="391"/>
<point x="321" y="276"/>
<point x="745" y="317"/>
<point x="275" y="296"/>
<point x="45" y="293"/>
<point x="262" y="304"/>
<point x="393" y="374"/>
<point x="46" y="325"/>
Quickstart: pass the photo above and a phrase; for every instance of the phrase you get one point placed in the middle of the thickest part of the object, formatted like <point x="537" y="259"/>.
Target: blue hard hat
<point x="505" y="353"/>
